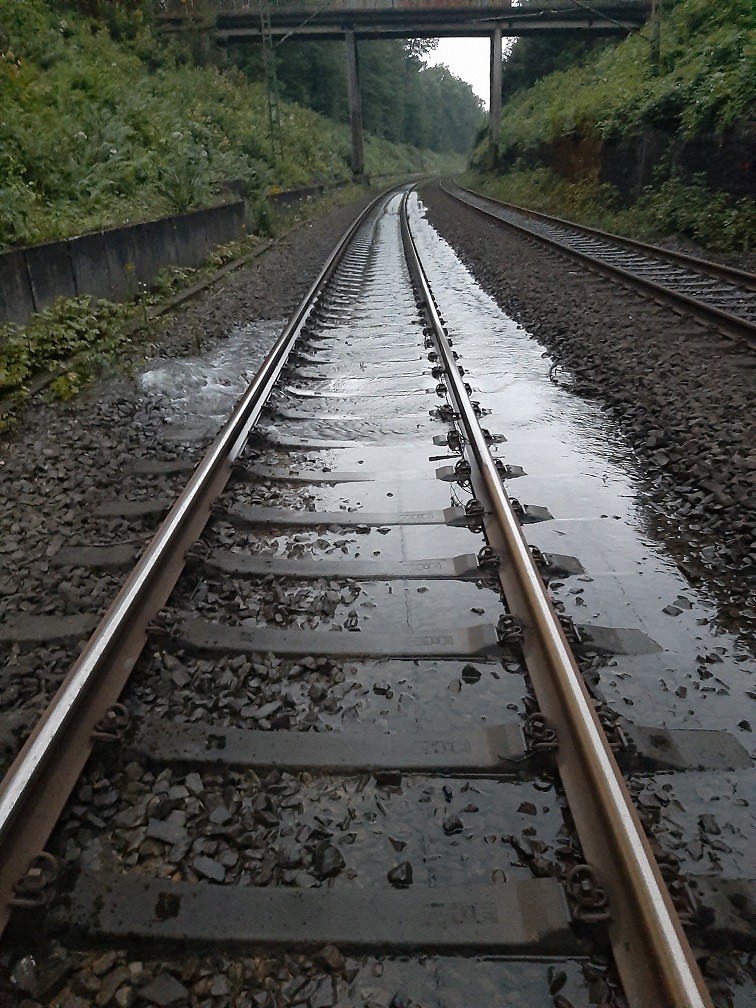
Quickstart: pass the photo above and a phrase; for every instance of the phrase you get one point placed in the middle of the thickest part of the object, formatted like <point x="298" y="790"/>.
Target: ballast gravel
<point x="182" y="824"/>
<point x="63" y="461"/>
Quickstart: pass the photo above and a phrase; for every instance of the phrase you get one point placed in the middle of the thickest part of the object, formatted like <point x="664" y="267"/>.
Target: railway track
<point x="715" y="294"/>
<point x="335" y="689"/>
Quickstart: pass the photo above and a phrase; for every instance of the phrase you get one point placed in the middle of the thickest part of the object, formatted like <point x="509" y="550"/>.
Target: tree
<point x="403" y="100"/>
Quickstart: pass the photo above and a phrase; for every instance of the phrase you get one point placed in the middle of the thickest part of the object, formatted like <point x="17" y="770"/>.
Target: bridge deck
<point x="236" y="20"/>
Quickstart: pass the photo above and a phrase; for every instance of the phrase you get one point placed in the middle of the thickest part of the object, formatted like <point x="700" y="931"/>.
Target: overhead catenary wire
<point x="607" y="17"/>
<point x="306" y="21"/>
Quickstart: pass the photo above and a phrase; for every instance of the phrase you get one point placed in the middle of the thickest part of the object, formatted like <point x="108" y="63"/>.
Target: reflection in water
<point x="580" y="467"/>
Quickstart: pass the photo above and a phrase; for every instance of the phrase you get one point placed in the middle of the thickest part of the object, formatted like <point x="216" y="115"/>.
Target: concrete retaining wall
<point x="111" y="264"/>
<point x="289" y="198"/>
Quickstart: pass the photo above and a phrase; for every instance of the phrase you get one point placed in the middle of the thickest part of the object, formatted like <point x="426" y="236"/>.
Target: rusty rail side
<point x="652" y="953"/>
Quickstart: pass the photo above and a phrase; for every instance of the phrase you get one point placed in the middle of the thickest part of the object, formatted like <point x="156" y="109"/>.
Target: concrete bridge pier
<point x="494" y="108"/>
<point x="355" y="108"/>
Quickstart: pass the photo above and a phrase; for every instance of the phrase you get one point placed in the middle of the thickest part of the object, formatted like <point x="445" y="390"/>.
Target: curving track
<point x="289" y="574"/>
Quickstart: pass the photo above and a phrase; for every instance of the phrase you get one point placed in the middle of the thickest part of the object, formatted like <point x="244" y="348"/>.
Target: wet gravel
<point x="325" y="977"/>
<point x="64" y="460"/>
<point x="307" y="830"/>
<point x="682" y="394"/>
<point x="317" y="692"/>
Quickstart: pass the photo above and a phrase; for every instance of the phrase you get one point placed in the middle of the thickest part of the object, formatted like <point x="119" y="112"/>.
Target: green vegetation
<point x="103" y="122"/>
<point x="704" y="82"/>
<point x="699" y="84"/>
<point x="712" y="220"/>
<point x="402" y="100"/>
<point x="84" y="333"/>
<point x="532" y="57"/>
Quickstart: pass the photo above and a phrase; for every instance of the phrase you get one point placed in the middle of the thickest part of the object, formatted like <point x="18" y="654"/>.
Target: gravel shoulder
<point x="682" y="394"/>
<point x="62" y="460"/>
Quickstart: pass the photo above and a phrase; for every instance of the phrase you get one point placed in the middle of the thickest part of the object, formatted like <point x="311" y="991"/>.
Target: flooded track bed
<point x="328" y="743"/>
<point x="679" y="396"/>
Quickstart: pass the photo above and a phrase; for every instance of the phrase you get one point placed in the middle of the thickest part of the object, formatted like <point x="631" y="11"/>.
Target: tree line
<point x="403" y="100"/>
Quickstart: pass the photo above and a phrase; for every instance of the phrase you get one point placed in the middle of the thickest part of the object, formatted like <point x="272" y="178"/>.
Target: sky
<point x="468" y="58"/>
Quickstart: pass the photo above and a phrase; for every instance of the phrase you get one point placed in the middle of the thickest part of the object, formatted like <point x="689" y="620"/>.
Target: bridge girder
<point x="426" y="21"/>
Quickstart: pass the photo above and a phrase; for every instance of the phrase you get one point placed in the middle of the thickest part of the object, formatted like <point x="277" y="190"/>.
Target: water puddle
<point x="395" y="542"/>
<point x="579" y="467"/>
<point x="198" y="393"/>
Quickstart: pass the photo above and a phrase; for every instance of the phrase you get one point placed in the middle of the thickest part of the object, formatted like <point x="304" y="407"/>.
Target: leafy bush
<point x="68" y="327"/>
<point x="705" y="82"/>
<point x="102" y="123"/>
<point x="73" y="336"/>
<point x="712" y="219"/>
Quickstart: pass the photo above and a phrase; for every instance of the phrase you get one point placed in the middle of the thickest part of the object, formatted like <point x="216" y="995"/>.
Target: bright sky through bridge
<point x="468" y="59"/>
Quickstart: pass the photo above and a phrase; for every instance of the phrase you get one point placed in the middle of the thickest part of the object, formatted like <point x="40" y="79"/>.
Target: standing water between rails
<point x="580" y="467"/>
<point x="364" y="383"/>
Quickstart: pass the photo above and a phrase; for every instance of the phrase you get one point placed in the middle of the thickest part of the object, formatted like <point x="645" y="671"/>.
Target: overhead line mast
<point x="271" y="83"/>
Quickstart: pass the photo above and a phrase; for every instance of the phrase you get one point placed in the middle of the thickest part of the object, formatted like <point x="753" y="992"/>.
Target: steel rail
<point x="37" y="785"/>
<point x="719" y="270"/>
<point x="653" y="956"/>
<point x="732" y="326"/>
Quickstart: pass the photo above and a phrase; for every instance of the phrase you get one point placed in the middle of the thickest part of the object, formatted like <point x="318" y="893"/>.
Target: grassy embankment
<point x="104" y="124"/>
<point x="96" y="131"/>
<point x="703" y="85"/>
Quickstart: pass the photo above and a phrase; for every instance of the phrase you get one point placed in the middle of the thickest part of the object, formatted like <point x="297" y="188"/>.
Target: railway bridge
<point x="270" y="22"/>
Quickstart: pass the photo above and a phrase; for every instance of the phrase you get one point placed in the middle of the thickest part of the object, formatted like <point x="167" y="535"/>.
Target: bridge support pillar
<point x="355" y="107"/>
<point x="494" y="108"/>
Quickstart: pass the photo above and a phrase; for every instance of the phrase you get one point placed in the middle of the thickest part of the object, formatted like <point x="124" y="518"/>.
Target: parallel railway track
<point x="251" y="585"/>
<point x="717" y="295"/>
